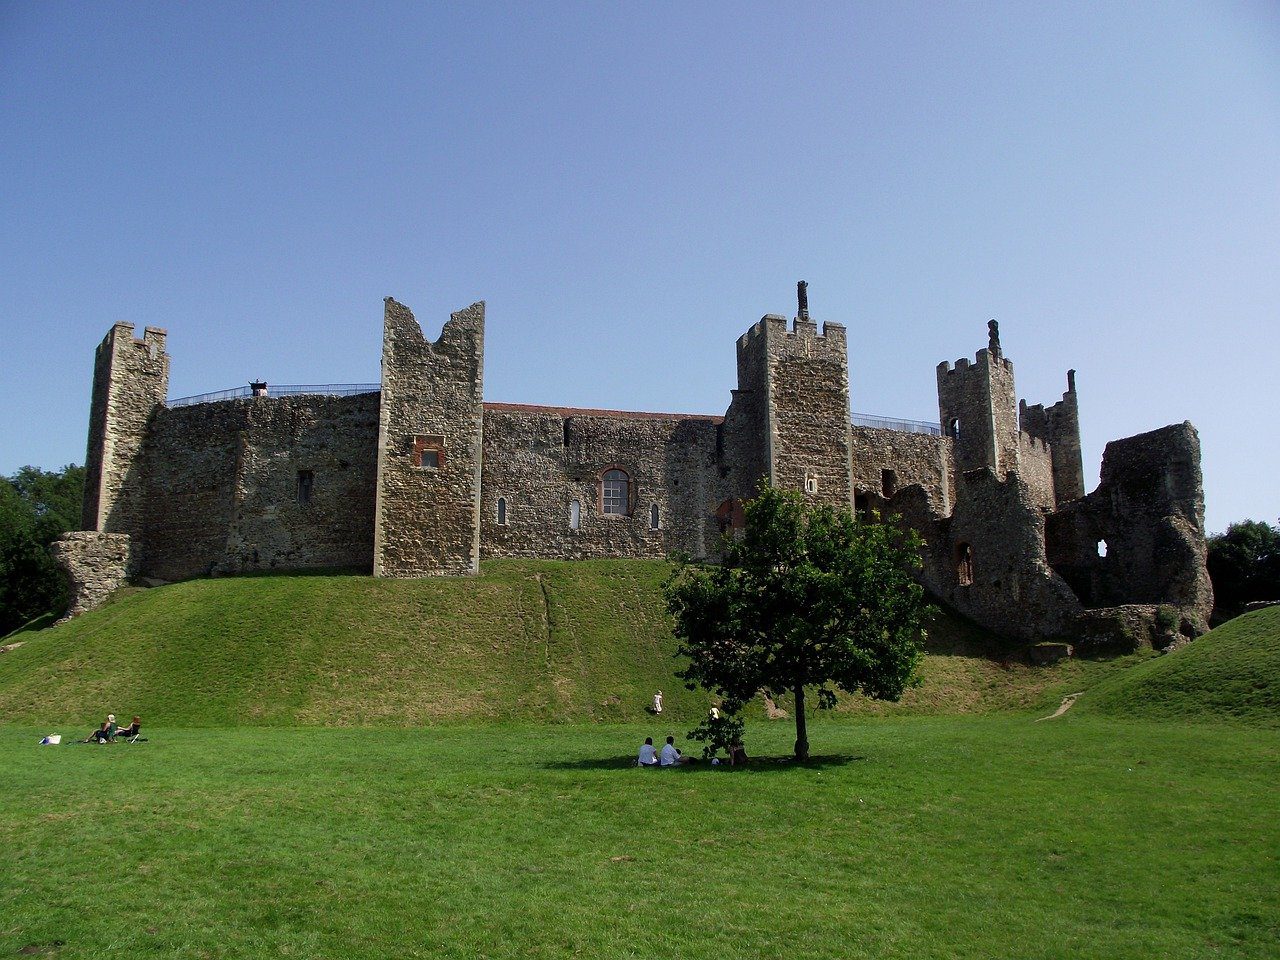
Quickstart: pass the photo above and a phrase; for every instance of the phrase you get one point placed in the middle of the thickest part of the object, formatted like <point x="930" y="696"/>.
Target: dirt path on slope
<point x="1063" y="707"/>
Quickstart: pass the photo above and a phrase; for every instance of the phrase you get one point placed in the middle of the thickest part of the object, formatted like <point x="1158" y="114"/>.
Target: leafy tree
<point x="36" y="506"/>
<point x="808" y="597"/>
<point x="1244" y="565"/>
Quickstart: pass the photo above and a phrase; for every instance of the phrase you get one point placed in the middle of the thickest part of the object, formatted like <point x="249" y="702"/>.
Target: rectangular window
<point x="430" y="459"/>
<point x="428" y="452"/>
<point x="306" y="479"/>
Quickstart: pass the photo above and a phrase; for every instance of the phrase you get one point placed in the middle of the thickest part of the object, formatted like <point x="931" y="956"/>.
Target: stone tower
<point x="430" y="436"/>
<point x="790" y="415"/>
<point x="978" y="411"/>
<point x="1059" y="426"/>
<point x="130" y="381"/>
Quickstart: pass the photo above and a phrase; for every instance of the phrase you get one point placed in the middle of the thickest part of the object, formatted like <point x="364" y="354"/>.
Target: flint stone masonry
<point x="95" y="565"/>
<point x="425" y="478"/>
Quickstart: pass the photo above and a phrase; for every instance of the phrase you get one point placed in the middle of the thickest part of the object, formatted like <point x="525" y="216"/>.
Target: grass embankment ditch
<point x="957" y="837"/>
<point x="526" y="640"/>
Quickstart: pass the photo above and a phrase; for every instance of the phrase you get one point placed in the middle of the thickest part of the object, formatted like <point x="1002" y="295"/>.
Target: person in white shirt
<point x="648" y="756"/>
<point x="657" y="702"/>
<point x="670" y="756"/>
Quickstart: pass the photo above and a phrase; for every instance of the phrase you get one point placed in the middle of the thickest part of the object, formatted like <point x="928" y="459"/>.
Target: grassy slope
<point x="526" y="640"/>
<point x="957" y="838"/>
<point x="1231" y="673"/>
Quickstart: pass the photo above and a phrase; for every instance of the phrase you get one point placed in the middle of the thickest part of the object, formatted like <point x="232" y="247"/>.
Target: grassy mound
<point x="1231" y="674"/>
<point x="526" y="640"/>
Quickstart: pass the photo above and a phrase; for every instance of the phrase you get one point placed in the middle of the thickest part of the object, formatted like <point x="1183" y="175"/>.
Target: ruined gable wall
<point x="224" y="488"/>
<point x="1149" y="509"/>
<point x="427" y="520"/>
<point x="809" y="410"/>
<point x="915" y="459"/>
<point x="130" y="382"/>
<point x="539" y="461"/>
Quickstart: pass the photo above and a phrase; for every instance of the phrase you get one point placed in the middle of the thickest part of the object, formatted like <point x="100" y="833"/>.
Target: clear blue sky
<point x="629" y="186"/>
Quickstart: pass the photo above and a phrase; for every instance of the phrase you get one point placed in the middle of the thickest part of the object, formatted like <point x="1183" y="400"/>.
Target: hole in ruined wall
<point x="953" y="428"/>
<point x="888" y="483"/>
<point x="730" y="515"/>
<point x="615" y="492"/>
<point x="565" y="439"/>
<point x="306" y="480"/>
<point x="502" y="511"/>
<point x="575" y="514"/>
<point x="428" y="452"/>
<point x="1102" y="548"/>
<point x="862" y="506"/>
<point x="653" y="517"/>
<point x="810" y="483"/>
<point x="964" y="564"/>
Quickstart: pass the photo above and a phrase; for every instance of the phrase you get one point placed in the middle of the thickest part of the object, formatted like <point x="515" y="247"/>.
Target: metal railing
<point x="281" y="390"/>
<point x="890" y="423"/>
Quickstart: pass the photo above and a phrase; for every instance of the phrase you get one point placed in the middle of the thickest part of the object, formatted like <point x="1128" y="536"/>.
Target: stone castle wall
<point x="541" y="461"/>
<point x="888" y="461"/>
<point x="267" y="483"/>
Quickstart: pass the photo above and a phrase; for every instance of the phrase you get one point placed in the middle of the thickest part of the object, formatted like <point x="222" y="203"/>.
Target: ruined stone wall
<point x="95" y="566"/>
<point x="1058" y="425"/>
<point x="913" y="458"/>
<point x="1014" y="591"/>
<point x="809" y="410"/>
<point x="1035" y="467"/>
<point x="539" y="461"/>
<point x="1148" y="510"/>
<point x="130" y="382"/>
<point x="427" y="517"/>
<point x="227" y="489"/>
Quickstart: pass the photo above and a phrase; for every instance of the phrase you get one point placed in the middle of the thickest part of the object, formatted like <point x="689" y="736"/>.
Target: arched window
<point x="653" y="517"/>
<point x="615" y="492"/>
<point x="964" y="564"/>
<point x="502" y="511"/>
<point x="575" y="514"/>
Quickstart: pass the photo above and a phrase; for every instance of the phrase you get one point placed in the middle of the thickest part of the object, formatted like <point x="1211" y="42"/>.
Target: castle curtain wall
<point x="540" y="461"/>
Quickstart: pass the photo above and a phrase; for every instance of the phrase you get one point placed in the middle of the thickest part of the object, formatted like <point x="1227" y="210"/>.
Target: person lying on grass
<point x="105" y="732"/>
<point x="670" y="756"/>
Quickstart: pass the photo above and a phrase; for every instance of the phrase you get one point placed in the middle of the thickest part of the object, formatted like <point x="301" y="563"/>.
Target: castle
<point x="419" y="476"/>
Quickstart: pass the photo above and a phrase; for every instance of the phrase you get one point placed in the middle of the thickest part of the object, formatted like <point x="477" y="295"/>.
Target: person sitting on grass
<point x="648" y="756"/>
<point x="670" y="756"/>
<point x="132" y="729"/>
<point x="104" y="733"/>
<point x="737" y="753"/>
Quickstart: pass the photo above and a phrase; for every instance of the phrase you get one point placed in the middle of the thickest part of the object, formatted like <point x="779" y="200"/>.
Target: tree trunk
<point x="802" y="726"/>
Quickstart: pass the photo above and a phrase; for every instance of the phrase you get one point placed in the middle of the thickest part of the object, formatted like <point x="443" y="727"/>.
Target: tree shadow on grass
<point x="756" y="765"/>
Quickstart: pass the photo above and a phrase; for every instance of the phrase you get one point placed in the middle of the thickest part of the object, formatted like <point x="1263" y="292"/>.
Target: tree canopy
<point x="36" y="506"/>
<point x="1244" y="565"/>
<point x="807" y="597"/>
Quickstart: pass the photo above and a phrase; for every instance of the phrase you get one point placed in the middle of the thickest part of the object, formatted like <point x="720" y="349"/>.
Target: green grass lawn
<point x="957" y="837"/>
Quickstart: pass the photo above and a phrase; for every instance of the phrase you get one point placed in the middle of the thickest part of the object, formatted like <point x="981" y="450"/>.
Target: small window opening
<point x="615" y="488"/>
<point x="575" y="514"/>
<point x="810" y="483"/>
<point x="1102" y="548"/>
<point x="888" y="483"/>
<point x="566" y="432"/>
<point x="502" y="511"/>
<point x="964" y="564"/>
<point x="953" y="428"/>
<point x="306" y="480"/>
<point x="428" y="452"/>
<point x="653" y="517"/>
